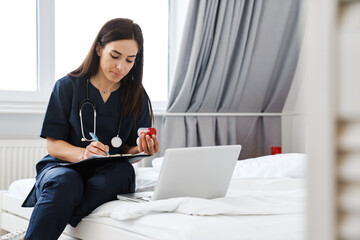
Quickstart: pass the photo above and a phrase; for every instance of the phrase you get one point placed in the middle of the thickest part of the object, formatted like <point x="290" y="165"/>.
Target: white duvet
<point x="239" y="201"/>
<point x="260" y="186"/>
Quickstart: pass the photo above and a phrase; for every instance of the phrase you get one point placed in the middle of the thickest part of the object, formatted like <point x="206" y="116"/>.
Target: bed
<point x="265" y="200"/>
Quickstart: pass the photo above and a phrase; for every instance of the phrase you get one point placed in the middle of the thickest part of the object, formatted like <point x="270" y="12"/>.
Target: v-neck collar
<point x="99" y="98"/>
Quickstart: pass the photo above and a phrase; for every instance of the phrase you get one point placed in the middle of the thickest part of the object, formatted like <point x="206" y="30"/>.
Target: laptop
<point x="203" y="172"/>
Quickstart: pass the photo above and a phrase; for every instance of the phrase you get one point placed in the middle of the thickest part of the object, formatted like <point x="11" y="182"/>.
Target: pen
<point x="96" y="139"/>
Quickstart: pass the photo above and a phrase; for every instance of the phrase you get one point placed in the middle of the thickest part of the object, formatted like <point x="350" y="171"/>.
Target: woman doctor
<point x="105" y="96"/>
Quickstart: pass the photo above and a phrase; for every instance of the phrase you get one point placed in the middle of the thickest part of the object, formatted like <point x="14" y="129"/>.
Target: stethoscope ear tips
<point x="83" y="139"/>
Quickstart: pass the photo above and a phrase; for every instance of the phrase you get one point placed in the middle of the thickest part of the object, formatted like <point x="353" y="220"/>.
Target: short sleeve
<point x="56" y="123"/>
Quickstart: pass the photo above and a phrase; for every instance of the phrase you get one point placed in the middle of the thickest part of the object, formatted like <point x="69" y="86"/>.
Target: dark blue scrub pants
<point x="64" y="196"/>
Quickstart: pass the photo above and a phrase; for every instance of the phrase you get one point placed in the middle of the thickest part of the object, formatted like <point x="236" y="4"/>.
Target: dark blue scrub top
<point x="62" y="119"/>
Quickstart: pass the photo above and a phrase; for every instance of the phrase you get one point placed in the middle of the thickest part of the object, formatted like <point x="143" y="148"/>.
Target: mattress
<point x="265" y="200"/>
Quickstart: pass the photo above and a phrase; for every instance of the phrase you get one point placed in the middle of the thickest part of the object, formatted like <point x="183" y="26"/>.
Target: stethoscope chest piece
<point x="116" y="142"/>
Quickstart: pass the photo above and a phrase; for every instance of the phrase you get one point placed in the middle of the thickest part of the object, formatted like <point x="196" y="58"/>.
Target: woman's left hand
<point x="148" y="144"/>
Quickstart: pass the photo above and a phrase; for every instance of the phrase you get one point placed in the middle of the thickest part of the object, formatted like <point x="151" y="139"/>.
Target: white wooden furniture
<point x="333" y="140"/>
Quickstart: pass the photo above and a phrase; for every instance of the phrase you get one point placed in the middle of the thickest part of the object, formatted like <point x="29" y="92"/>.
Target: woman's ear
<point x="98" y="49"/>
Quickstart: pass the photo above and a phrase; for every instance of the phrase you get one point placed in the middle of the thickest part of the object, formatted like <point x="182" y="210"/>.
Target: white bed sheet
<point x="283" y="191"/>
<point x="161" y="225"/>
<point x="175" y="226"/>
<point x="251" y="226"/>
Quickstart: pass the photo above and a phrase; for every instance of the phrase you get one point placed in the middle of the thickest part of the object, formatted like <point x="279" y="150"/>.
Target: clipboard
<point x="87" y="166"/>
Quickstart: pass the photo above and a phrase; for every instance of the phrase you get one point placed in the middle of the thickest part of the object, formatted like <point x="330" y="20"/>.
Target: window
<point x="50" y="38"/>
<point x="18" y="45"/>
<point x="78" y="22"/>
<point x="28" y="59"/>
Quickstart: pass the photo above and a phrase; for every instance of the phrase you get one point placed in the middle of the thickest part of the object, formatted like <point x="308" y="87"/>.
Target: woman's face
<point x="116" y="59"/>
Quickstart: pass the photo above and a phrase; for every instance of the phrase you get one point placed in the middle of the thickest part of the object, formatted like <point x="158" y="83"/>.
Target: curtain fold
<point x="237" y="56"/>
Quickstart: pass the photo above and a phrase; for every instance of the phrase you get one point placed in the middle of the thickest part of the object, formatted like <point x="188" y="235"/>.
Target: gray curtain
<point x="237" y="56"/>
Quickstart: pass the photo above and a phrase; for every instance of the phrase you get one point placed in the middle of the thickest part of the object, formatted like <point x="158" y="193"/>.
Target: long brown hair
<point x="132" y="96"/>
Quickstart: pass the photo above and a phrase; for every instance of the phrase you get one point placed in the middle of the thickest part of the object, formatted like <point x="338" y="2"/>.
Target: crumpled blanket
<point x="246" y="203"/>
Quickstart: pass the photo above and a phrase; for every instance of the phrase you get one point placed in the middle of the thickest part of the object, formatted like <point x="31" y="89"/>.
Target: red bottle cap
<point x="151" y="131"/>
<point x="275" y="150"/>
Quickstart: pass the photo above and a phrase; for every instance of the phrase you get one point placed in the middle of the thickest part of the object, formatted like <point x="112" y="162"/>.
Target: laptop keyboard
<point x="146" y="198"/>
<point x="138" y="199"/>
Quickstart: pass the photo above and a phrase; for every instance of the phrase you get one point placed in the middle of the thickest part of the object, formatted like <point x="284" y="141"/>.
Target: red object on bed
<point x="275" y="150"/>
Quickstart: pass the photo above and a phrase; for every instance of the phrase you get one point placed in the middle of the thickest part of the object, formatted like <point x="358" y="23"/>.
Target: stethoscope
<point x="115" y="141"/>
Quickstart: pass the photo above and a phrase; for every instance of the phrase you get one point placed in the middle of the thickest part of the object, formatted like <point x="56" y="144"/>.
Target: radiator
<point x="18" y="158"/>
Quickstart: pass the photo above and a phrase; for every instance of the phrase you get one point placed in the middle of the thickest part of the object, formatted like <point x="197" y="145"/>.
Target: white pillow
<point x="21" y="188"/>
<point x="146" y="179"/>
<point x="157" y="163"/>
<point x="291" y="165"/>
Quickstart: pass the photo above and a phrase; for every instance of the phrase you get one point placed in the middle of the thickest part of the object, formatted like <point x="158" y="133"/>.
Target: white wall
<point x="20" y="125"/>
<point x="294" y="119"/>
<point x="293" y="122"/>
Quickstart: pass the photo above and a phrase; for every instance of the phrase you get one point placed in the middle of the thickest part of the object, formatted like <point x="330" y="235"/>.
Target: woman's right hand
<point x="70" y="153"/>
<point x="95" y="148"/>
